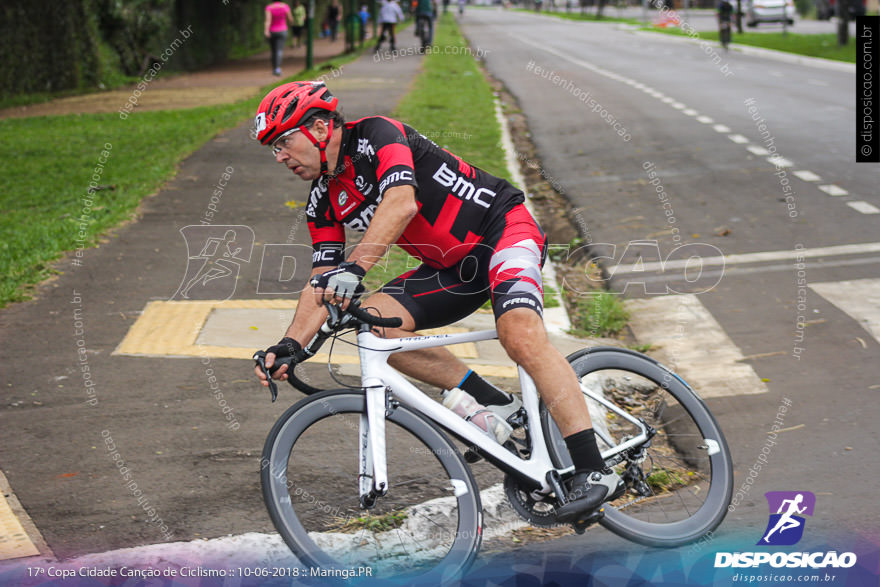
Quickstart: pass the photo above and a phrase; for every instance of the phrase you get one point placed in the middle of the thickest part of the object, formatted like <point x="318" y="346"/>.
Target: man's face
<point x="299" y="154"/>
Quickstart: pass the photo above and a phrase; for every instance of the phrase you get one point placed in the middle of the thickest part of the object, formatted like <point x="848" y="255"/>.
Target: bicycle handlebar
<point x="371" y="320"/>
<point x="335" y="321"/>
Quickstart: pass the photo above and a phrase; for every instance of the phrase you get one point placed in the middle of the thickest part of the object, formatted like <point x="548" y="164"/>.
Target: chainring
<point x="534" y="511"/>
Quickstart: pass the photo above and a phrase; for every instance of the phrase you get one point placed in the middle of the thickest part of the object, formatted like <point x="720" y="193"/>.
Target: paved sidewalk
<point x="229" y="82"/>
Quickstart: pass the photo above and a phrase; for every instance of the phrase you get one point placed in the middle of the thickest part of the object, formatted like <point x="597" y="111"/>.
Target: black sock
<point x="584" y="451"/>
<point x="483" y="391"/>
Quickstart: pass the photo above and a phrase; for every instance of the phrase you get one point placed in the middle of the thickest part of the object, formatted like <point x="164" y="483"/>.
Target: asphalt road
<point x="715" y="187"/>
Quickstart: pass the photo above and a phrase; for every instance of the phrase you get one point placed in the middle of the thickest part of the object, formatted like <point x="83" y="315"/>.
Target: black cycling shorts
<point x="505" y="267"/>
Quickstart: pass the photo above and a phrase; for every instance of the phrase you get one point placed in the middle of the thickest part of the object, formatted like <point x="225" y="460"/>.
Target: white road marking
<point x="667" y="100"/>
<point x="864" y="207"/>
<point x="679" y="106"/>
<point x="721" y="128"/>
<point x="738" y="139"/>
<point x="757" y="150"/>
<point x="858" y="299"/>
<point x="744" y="258"/>
<point x="705" y="119"/>
<point x="693" y="344"/>
<point x="833" y="190"/>
<point x="689" y="112"/>
<point x="737" y="270"/>
<point x="780" y="161"/>
<point x="807" y="175"/>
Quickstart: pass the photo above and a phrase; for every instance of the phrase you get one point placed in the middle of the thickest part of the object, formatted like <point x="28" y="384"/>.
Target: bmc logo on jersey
<point x="314" y="198"/>
<point x="462" y="188"/>
<point x="405" y="175"/>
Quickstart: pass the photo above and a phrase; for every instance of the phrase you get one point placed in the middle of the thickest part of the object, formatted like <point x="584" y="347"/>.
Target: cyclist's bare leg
<point x="436" y="366"/>
<point x="523" y="336"/>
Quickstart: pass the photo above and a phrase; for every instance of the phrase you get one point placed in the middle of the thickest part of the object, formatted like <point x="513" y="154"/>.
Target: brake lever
<point x="260" y="358"/>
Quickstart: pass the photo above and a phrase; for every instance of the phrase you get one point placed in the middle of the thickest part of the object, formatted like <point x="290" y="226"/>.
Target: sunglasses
<point x="281" y="142"/>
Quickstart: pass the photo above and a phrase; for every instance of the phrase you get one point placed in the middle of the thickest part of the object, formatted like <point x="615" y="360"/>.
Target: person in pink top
<point x="278" y="15"/>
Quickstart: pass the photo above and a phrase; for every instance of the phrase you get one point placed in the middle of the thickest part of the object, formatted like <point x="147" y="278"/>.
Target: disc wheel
<point x="425" y="528"/>
<point x="680" y="481"/>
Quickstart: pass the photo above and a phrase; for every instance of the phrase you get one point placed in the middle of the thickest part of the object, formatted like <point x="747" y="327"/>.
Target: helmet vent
<point x="291" y="108"/>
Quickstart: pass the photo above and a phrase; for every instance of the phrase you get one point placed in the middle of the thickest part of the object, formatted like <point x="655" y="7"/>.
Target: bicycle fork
<point x="373" y="473"/>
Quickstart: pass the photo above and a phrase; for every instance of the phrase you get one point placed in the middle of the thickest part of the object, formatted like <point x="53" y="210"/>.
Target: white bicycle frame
<point x="377" y="376"/>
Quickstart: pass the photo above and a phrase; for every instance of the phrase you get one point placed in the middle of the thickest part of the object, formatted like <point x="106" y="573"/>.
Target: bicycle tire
<point x="282" y="488"/>
<point x="674" y="432"/>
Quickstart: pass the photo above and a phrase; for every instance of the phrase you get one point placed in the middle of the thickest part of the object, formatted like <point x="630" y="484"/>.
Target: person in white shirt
<point x="389" y="15"/>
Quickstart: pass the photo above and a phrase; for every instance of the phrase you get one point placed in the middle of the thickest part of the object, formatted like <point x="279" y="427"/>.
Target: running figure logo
<point x="786" y="526"/>
<point x="212" y="271"/>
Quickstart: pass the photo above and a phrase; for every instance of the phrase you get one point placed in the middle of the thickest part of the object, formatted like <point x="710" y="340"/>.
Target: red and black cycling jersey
<point x="457" y="202"/>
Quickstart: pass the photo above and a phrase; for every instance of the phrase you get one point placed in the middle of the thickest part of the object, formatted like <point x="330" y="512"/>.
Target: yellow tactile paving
<point x="14" y="541"/>
<point x="170" y="329"/>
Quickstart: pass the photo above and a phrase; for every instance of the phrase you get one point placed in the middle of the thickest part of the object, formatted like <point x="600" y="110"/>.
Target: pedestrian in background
<point x="299" y="21"/>
<point x="364" y="15"/>
<point x="334" y="14"/>
<point x="277" y="17"/>
<point x="389" y="16"/>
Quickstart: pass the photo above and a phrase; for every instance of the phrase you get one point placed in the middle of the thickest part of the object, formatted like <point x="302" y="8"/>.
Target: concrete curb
<point x="556" y="320"/>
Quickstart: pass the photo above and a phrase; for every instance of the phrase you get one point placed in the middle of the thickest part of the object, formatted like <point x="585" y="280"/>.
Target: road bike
<point x="424" y="30"/>
<point x="370" y="477"/>
<point x="724" y="33"/>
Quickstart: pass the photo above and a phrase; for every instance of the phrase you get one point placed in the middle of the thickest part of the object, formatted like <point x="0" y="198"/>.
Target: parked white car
<point x="758" y="11"/>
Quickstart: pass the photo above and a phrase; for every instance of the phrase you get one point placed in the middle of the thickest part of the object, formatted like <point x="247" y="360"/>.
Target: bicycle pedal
<point x="581" y="525"/>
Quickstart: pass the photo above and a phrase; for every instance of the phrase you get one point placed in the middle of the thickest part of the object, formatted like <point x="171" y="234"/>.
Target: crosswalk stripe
<point x="858" y="299"/>
<point x="693" y="344"/>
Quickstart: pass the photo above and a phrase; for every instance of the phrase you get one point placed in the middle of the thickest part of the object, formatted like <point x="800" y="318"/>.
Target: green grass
<point x="48" y="163"/>
<point x="824" y="45"/>
<point x="371" y="523"/>
<point x="641" y="348"/>
<point x="599" y="314"/>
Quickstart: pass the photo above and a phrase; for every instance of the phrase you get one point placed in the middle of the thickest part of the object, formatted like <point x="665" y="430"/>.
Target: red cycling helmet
<point x="287" y="106"/>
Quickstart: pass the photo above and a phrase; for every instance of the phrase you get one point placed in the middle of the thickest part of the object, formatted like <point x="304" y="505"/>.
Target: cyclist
<point x="424" y="10"/>
<point x="472" y="233"/>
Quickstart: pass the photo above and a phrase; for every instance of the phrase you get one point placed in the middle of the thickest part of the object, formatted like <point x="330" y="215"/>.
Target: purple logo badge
<point x="786" y="526"/>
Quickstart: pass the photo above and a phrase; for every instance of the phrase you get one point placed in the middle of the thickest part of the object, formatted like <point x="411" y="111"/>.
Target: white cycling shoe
<point x="507" y="410"/>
